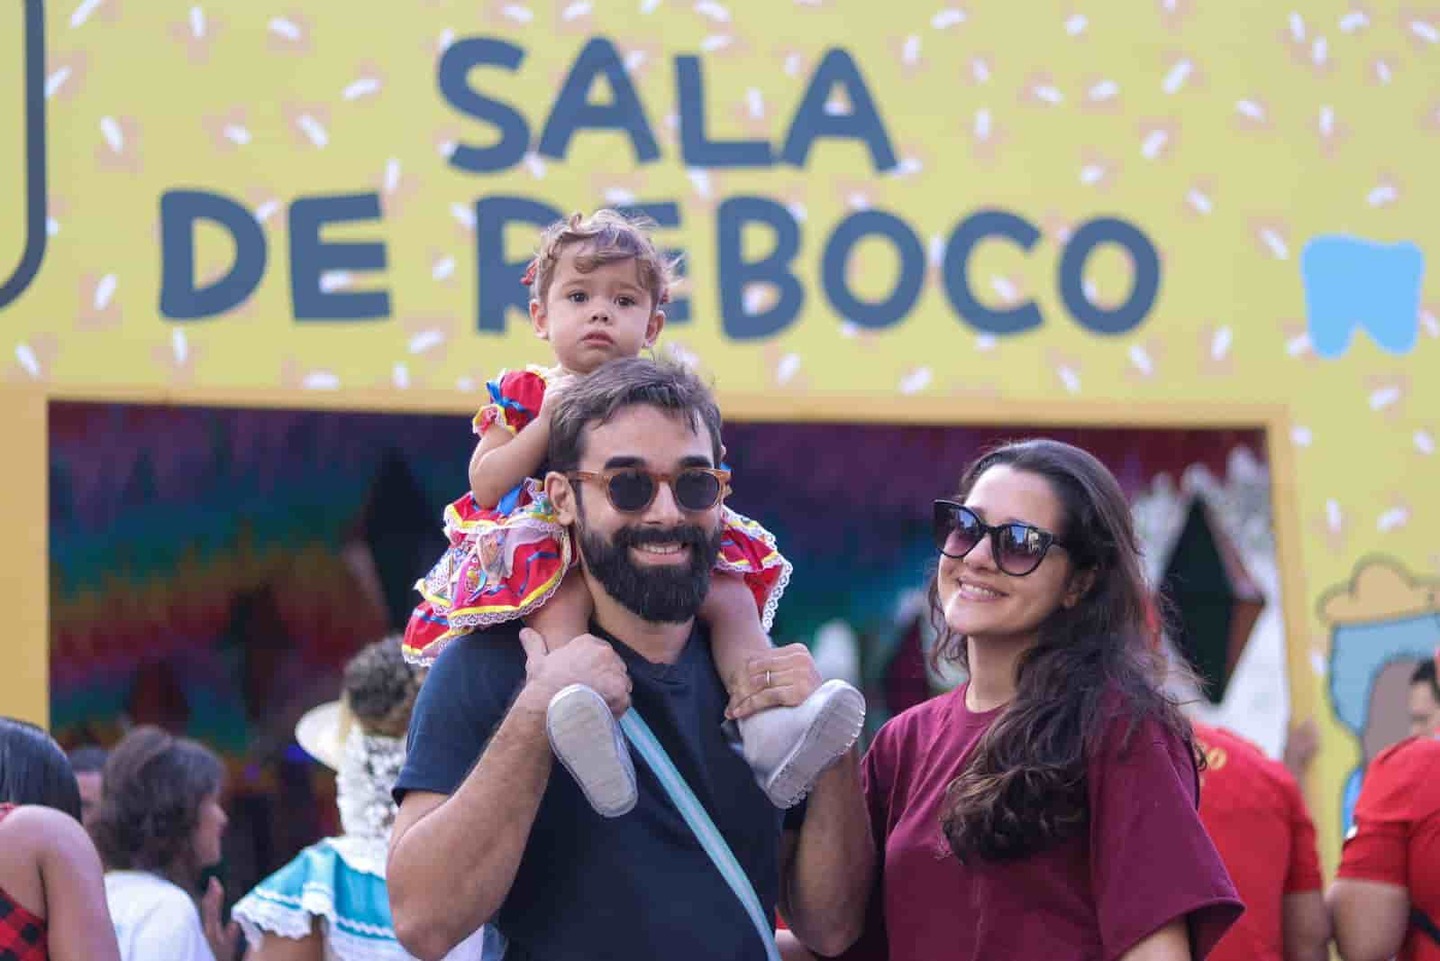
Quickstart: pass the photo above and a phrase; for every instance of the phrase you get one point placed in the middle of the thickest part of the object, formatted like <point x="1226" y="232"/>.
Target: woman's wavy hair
<point x="151" y="791"/>
<point x="1025" y="787"/>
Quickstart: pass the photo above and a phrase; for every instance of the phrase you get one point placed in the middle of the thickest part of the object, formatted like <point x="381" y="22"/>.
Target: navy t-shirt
<point x="588" y="887"/>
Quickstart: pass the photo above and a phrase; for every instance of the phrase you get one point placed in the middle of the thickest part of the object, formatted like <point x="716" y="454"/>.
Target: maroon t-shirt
<point x="1144" y="861"/>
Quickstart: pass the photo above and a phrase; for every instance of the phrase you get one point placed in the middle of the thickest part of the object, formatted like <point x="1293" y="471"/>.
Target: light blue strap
<point x="644" y="742"/>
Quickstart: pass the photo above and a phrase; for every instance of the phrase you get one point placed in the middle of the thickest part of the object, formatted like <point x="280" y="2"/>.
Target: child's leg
<point x="787" y="747"/>
<point x="566" y="615"/>
<point x="582" y="731"/>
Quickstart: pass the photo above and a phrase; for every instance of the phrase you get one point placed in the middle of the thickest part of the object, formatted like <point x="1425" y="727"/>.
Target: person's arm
<point x="1306" y="926"/>
<point x="273" y="947"/>
<point x="514" y="447"/>
<point x="1370" y="918"/>
<point x="1170" y="943"/>
<point x="827" y="872"/>
<point x="453" y="859"/>
<point x="76" y="914"/>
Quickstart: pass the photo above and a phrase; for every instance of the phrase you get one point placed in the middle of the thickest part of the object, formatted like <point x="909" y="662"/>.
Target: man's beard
<point x="661" y="593"/>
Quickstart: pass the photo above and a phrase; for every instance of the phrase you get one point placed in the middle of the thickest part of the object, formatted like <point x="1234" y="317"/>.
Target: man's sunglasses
<point x="1017" y="548"/>
<point x="633" y="489"/>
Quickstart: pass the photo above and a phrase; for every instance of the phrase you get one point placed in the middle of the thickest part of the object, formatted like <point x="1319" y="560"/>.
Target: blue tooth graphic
<point x="1351" y="282"/>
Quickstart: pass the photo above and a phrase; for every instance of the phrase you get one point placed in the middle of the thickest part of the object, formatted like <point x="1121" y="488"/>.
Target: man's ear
<point x="562" y="497"/>
<point x="1079" y="586"/>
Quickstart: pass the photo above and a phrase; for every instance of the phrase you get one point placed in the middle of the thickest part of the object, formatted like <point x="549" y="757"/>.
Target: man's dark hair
<point x="1425" y="674"/>
<point x="33" y="769"/>
<point x="150" y="802"/>
<point x="88" y="759"/>
<point x="594" y="399"/>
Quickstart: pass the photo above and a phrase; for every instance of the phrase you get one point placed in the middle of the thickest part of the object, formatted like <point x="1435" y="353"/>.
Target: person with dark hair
<point x="52" y="899"/>
<point x="1424" y="699"/>
<point x="160" y="826"/>
<point x="490" y="832"/>
<point x="88" y="762"/>
<point x="33" y="769"/>
<point x="330" y="903"/>
<point x="1046" y="808"/>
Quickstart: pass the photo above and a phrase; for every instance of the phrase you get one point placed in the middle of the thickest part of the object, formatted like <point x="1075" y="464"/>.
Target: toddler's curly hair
<point x="608" y="236"/>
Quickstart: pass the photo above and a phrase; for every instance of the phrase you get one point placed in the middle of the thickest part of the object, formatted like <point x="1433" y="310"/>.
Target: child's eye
<point x="626" y="301"/>
<point x="576" y="296"/>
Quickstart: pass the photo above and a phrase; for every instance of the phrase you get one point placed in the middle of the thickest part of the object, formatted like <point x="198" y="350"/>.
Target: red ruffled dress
<point x="22" y="934"/>
<point x="504" y="563"/>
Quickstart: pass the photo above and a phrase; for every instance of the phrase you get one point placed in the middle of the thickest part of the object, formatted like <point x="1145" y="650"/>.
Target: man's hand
<point x="585" y="660"/>
<point x="785" y="676"/>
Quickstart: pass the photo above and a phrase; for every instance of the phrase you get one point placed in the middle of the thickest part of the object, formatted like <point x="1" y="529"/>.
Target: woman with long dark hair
<point x="160" y="826"/>
<point x="52" y="900"/>
<point x="1047" y="807"/>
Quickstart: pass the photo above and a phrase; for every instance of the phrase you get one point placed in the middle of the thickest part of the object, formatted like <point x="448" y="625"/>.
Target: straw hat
<point x="322" y="731"/>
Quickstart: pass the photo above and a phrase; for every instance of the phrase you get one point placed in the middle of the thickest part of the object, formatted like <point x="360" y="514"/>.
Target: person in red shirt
<point x="1385" y="901"/>
<point x="1046" y="809"/>
<point x="1256" y="816"/>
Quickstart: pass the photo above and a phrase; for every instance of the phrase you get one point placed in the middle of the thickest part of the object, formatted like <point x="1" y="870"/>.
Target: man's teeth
<point x="661" y="548"/>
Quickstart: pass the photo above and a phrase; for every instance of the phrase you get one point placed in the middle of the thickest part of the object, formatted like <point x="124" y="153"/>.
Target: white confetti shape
<point x="114" y="136"/>
<point x="425" y="340"/>
<point x="1199" y="200"/>
<point x="1301" y="436"/>
<point x="1393" y="519"/>
<point x="947" y="18"/>
<point x="104" y="291"/>
<point x="236" y="134"/>
<point x="849" y="329"/>
<point x="56" y="80"/>
<point x="1320" y="51"/>
<point x="313" y="129"/>
<point x="915" y="381"/>
<point x="713" y="11"/>
<point x="464" y="215"/>
<point x="1430" y="323"/>
<point x="1353" y="21"/>
<point x="1251" y="110"/>
<point x="619" y="197"/>
<point x="910" y="52"/>
<point x="536" y="165"/>
<point x="1424" y="442"/>
<point x="1297" y="345"/>
<point x="1005" y="289"/>
<point x="1318" y="665"/>
<point x="1382" y="71"/>
<point x="1103" y="90"/>
<point x="400" y="376"/>
<point x="756" y="298"/>
<point x="1382" y="195"/>
<point x="197" y="22"/>
<point x="935" y="250"/>
<point x="1334" y="519"/>
<point x="1327" y="121"/>
<point x="465" y="384"/>
<point x="179" y="346"/>
<point x="517" y="13"/>
<point x="793" y="63"/>
<point x="1297" y="27"/>
<point x="1153" y="143"/>
<point x="443" y="269"/>
<point x="648" y="7"/>
<point x="980" y="70"/>
<point x="1091" y="289"/>
<point x="1176" y="77"/>
<point x="716" y="42"/>
<point x="1140" y="357"/>
<point x="333" y="280"/>
<point x="986" y="342"/>
<point x="364" y="87"/>
<point x="320" y="380"/>
<point x="1075" y="24"/>
<point x="285" y="28"/>
<point x="1048" y="93"/>
<point x="798" y="211"/>
<point x="576" y="10"/>
<point x="1092" y="174"/>
<point x="788" y="367"/>
<point x="1275" y="243"/>
<point x="700" y="180"/>
<point x="391" y="180"/>
<point x="1383" y="397"/>
<point x="1220" y="343"/>
<point x="1425" y="30"/>
<point x="446" y="38"/>
<point x="52" y="226"/>
<point x="755" y="103"/>
<point x="635" y="59"/>
<point x="1069" y="377"/>
<point x="982" y="124"/>
<point x="83" y="12"/>
<point x="25" y="357"/>
<point x="266" y="210"/>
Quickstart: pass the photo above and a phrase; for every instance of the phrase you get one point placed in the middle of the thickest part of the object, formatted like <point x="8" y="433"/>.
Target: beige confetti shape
<point x="1395" y="517"/>
<point x="1387" y="394"/>
<point x="1040" y="89"/>
<point x="786" y="367"/>
<point x="948" y="18"/>
<point x="796" y="62"/>
<point x="462" y="212"/>
<point x="573" y="17"/>
<point x="65" y="75"/>
<point x="509" y="13"/>
<point x="1330" y="131"/>
<point x="987" y="135"/>
<point x="289" y="34"/>
<point x="1296" y="336"/>
<point x="119" y="146"/>
<point x="1144" y="357"/>
<point x="428" y="337"/>
<point x="642" y="57"/>
<point x="1424" y="441"/>
<point x="1101" y="96"/>
<point x="1430" y="120"/>
<point x="1174" y="13"/>
<point x="1331" y="525"/>
<point x="1382" y="69"/>
<point x="915" y="380"/>
<point x="1217" y="350"/>
<point x="1296" y="37"/>
<point x="263" y="204"/>
<point x="908" y="52"/>
<point x="1356" y="20"/>
<point x="1066" y="368"/>
<point x="397" y="187"/>
<point x="1421" y="27"/>
<point x="177" y="357"/>
<point x="752" y="112"/>
<point x="912" y="161"/>
<point x="1252" y="115"/>
<point x="1057" y="226"/>
<point x="90" y="11"/>
<point x="443" y="267"/>
<point x="1384" y="193"/>
<point x="1181" y="73"/>
<point x="196" y="33"/>
<point x="99" y="309"/>
<point x="56" y="210"/>
<point x="1157" y="139"/>
<point x="1200" y="198"/>
<point x="229" y="130"/>
<point x="367" y="85"/>
<point x="1076" y="24"/>
<point x="309" y="124"/>
<point x="34" y="358"/>
<point x="294" y="376"/>
<point x="1430" y="320"/>
<point x="980" y="69"/>
<point x="1271" y="237"/>
<point x="1097" y="170"/>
